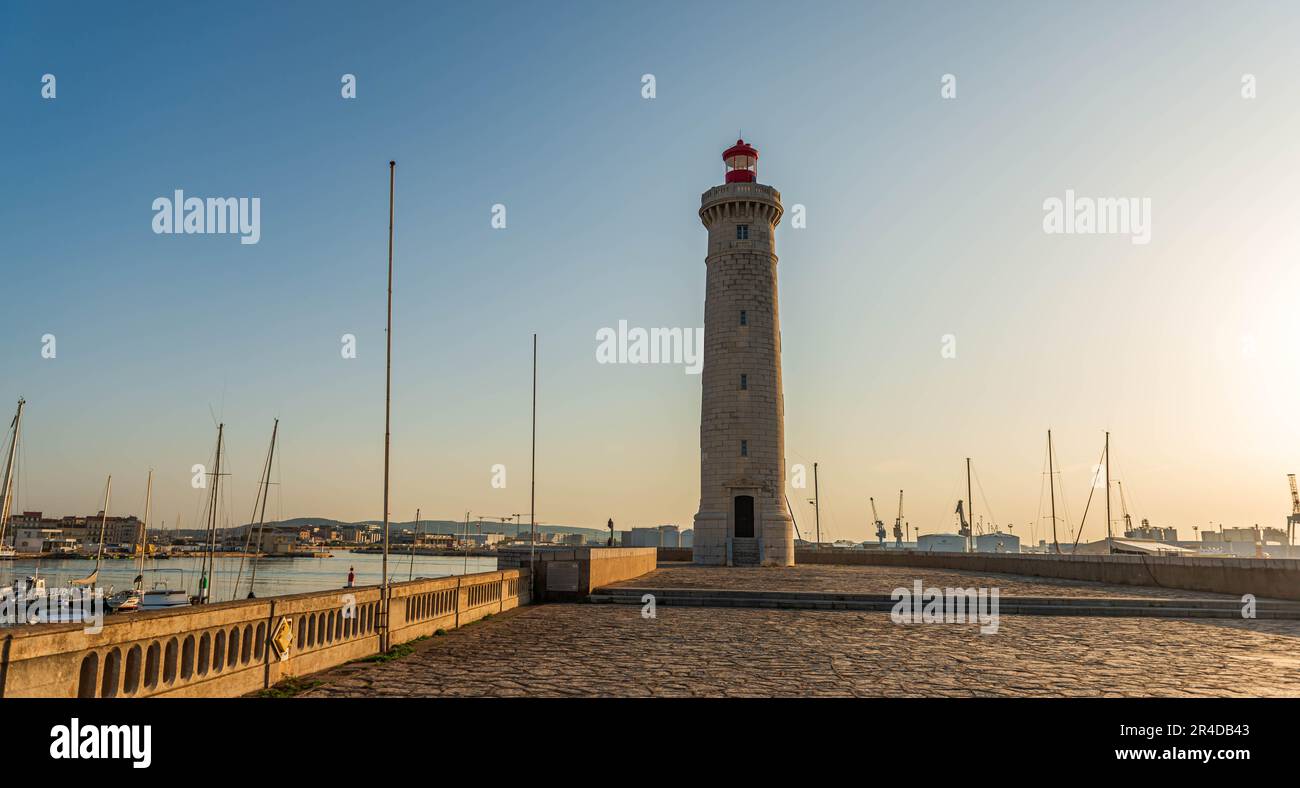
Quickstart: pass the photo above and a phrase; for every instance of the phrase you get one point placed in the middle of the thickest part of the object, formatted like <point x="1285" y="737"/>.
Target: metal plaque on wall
<point x="562" y="576"/>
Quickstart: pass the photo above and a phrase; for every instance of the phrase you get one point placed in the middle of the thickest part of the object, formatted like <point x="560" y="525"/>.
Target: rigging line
<point x="1124" y="496"/>
<point x="1064" y="505"/>
<point x="1092" y="489"/>
<point x="21" y="479"/>
<point x="980" y="486"/>
<point x="945" y="517"/>
<point x="279" y="482"/>
<point x="1042" y="488"/>
<point x="201" y="506"/>
<point x="260" y="495"/>
<point x="252" y="580"/>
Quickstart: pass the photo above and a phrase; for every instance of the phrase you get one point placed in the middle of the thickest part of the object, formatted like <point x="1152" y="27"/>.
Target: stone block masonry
<point x="742" y="516"/>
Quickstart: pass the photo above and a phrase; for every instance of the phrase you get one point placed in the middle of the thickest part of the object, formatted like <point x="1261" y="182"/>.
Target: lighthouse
<point x="743" y="517"/>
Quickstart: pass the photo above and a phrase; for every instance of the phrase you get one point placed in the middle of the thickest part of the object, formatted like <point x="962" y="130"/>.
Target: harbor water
<point x="275" y="576"/>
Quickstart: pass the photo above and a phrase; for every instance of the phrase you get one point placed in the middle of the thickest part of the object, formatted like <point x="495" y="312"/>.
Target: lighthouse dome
<point x="742" y="162"/>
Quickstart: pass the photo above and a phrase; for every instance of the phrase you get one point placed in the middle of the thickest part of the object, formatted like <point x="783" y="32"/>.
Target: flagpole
<point x="532" y="493"/>
<point x="388" y="403"/>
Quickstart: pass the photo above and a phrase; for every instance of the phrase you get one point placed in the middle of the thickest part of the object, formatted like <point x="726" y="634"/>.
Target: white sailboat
<point x="58" y="605"/>
<point x="90" y="579"/>
<point x="161" y="594"/>
<point x="129" y="599"/>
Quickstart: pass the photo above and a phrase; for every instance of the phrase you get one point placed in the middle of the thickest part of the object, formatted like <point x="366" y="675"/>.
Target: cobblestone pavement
<point x="610" y="650"/>
<point x="884" y="579"/>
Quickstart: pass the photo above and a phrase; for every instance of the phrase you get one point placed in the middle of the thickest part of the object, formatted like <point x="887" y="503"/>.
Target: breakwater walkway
<point x="617" y="650"/>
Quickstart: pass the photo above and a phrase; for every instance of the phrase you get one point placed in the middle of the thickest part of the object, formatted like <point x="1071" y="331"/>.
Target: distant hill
<point x="429" y="526"/>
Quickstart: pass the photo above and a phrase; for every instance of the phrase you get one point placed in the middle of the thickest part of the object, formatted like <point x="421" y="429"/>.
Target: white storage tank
<point x="941" y="543"/>
<point x="997" y="543"/>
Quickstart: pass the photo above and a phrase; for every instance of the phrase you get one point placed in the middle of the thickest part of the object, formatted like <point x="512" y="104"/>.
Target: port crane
<point x="1123" y="506"/>
<point x="505" y="519"/>
<point x="1294" y="519"/>
<point x="898" y="522"/>
<point x="964" y="530"/>
<point x="880" y="525"/>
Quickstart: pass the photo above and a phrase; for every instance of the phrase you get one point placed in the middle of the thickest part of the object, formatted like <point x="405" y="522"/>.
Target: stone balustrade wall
<point x="225" y="649"/>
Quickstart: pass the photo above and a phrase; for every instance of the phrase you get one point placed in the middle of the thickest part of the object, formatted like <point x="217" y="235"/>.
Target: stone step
<point x="1042" y="606"/>
<point x="744" y="552"/>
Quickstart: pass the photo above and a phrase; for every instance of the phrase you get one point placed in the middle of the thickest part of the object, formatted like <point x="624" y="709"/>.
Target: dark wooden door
<point x="744" y="517"/>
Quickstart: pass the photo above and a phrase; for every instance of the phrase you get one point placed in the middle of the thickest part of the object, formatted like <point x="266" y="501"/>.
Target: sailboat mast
<point x="209" y="559"/>
<point x="144" y="526"/>
<point x="103" y="523"/>
<point x="6" y="501"/>
<point x="261" y="517"/>
<point x="1051" y="480"/>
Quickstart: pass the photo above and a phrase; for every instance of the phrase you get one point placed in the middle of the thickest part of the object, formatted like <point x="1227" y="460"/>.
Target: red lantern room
<point x="742" y="163"/>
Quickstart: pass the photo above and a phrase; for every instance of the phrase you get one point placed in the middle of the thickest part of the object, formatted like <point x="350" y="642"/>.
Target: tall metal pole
<point x="410" y="573"/>
<point x="388" y="402"/>
<point x="532" y="484"/>
<point x="1108" y="535"/>
<point x="970" y="504"/>
<point x="1051" y="479"/>
<point x="817" y="506"/>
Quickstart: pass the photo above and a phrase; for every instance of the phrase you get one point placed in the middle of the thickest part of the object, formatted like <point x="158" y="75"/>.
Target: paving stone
<point x="611" y="651"/>
<point x="883" y="580"/>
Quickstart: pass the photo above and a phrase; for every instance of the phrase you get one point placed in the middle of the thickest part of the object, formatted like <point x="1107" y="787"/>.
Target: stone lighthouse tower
<point x="743" y="518"/>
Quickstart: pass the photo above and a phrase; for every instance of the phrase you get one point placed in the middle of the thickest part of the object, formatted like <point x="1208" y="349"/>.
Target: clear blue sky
<point x="924" y="219"/>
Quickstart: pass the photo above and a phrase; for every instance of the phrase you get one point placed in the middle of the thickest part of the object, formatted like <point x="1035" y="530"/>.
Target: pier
<point x="821" y="630"/>
<point x="1125" y="625"/>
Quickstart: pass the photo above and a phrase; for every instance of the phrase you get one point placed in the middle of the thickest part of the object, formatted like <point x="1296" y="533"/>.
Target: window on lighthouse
<point x="744" y="382"/>
<point x="744" y="318"/>
<point x="744" y="448"/>
<point x="742" y="232"/>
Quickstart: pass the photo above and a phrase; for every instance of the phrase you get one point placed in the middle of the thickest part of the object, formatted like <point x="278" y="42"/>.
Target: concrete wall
<point x="676" y="554"/>
<point x="224" y="649"/>
<point x="1271" y="578"/>
<point x="570" y="575"/>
